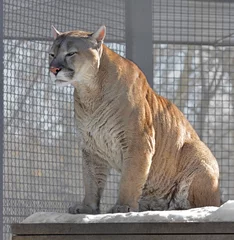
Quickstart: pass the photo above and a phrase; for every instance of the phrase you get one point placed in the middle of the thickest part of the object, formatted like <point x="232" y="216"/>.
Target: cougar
<point x="123" y="124"/>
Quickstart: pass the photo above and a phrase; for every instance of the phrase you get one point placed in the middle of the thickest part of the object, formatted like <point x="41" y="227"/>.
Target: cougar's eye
<point x="71" y="54"/>
<point x="51" y="55"/>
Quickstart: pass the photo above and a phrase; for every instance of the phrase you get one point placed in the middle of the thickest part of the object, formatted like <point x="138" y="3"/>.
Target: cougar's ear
<point x="100" y="34"/>
<point x="55" y="32"/>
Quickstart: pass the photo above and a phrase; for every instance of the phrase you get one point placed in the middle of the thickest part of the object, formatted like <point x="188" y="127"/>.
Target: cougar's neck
<point x="91" y="95"/>
<point x="108" y="73"/>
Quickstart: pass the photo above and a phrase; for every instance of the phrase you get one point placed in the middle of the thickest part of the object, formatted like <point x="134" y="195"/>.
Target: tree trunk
<point x="182" y="91"/>
<point x="204" y="104"/>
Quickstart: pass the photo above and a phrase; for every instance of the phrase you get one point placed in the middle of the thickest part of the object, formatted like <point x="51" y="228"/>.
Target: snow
<point x="225" y="213"/>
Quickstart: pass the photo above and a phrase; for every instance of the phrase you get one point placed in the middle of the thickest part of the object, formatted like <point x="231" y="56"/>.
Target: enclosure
<point x="185" y="48"/>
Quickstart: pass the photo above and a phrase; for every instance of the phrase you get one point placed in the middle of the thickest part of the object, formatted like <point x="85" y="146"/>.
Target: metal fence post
<point x="139" y="42"/>
<point x="1" y="119"/>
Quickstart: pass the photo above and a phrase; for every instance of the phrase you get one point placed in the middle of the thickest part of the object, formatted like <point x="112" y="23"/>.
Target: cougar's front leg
<point x="135" y="170"/>
<point x="95" y="172"/>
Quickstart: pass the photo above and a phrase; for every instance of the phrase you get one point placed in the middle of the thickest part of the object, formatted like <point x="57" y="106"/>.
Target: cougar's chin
<point x="62" y="83"/>
<point x="62" y="79"/>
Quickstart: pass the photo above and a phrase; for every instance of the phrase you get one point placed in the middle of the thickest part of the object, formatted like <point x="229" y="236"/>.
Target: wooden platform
<point x="124" y="231"/>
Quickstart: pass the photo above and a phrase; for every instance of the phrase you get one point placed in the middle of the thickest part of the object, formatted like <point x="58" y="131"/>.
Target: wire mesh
<point x="193" y="67"/>
<point x="42" y="163"/>
<point x="193" y="59"/>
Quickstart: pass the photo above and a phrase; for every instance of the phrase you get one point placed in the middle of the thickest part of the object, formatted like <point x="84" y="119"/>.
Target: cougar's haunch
<point x="123" y="124"/>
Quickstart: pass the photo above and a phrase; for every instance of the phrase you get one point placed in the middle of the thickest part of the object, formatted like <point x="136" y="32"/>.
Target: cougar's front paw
<point x="122" y="209"/>
<point x="80" y="208"/>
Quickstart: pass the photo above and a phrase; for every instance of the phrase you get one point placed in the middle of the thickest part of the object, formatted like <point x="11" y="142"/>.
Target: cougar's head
<point x="75" y="56"/>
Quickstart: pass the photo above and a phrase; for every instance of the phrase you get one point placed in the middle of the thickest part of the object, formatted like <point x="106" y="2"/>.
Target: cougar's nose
<point x="55" y="70"/>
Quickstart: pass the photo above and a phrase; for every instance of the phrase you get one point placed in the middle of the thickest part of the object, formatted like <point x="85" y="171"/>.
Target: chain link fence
<point x="42" y="164"/>
<point x="193" y="66"/>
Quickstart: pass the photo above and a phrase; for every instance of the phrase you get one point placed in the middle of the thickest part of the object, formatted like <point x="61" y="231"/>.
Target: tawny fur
<point x="123" y="124"/>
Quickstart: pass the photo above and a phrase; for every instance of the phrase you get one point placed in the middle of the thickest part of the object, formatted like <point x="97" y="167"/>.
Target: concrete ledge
<point x="207" y="223"/>
<point x="129" y="237"/>
<point x="124" y="231"/>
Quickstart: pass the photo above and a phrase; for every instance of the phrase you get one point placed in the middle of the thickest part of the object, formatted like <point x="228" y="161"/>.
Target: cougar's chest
<point x="98" y="138"/>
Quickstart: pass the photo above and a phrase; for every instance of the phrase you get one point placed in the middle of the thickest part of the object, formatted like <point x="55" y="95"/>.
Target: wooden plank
<point x="123" y="228"/>
<point x="126" y="237"/>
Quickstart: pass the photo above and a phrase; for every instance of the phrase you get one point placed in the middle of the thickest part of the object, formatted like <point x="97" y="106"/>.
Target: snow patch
<point x="225" y="213"/>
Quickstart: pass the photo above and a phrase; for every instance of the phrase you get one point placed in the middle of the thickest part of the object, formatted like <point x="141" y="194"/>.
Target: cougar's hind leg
<point x="204" y="188"/>
<point x="204" y="191"/>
